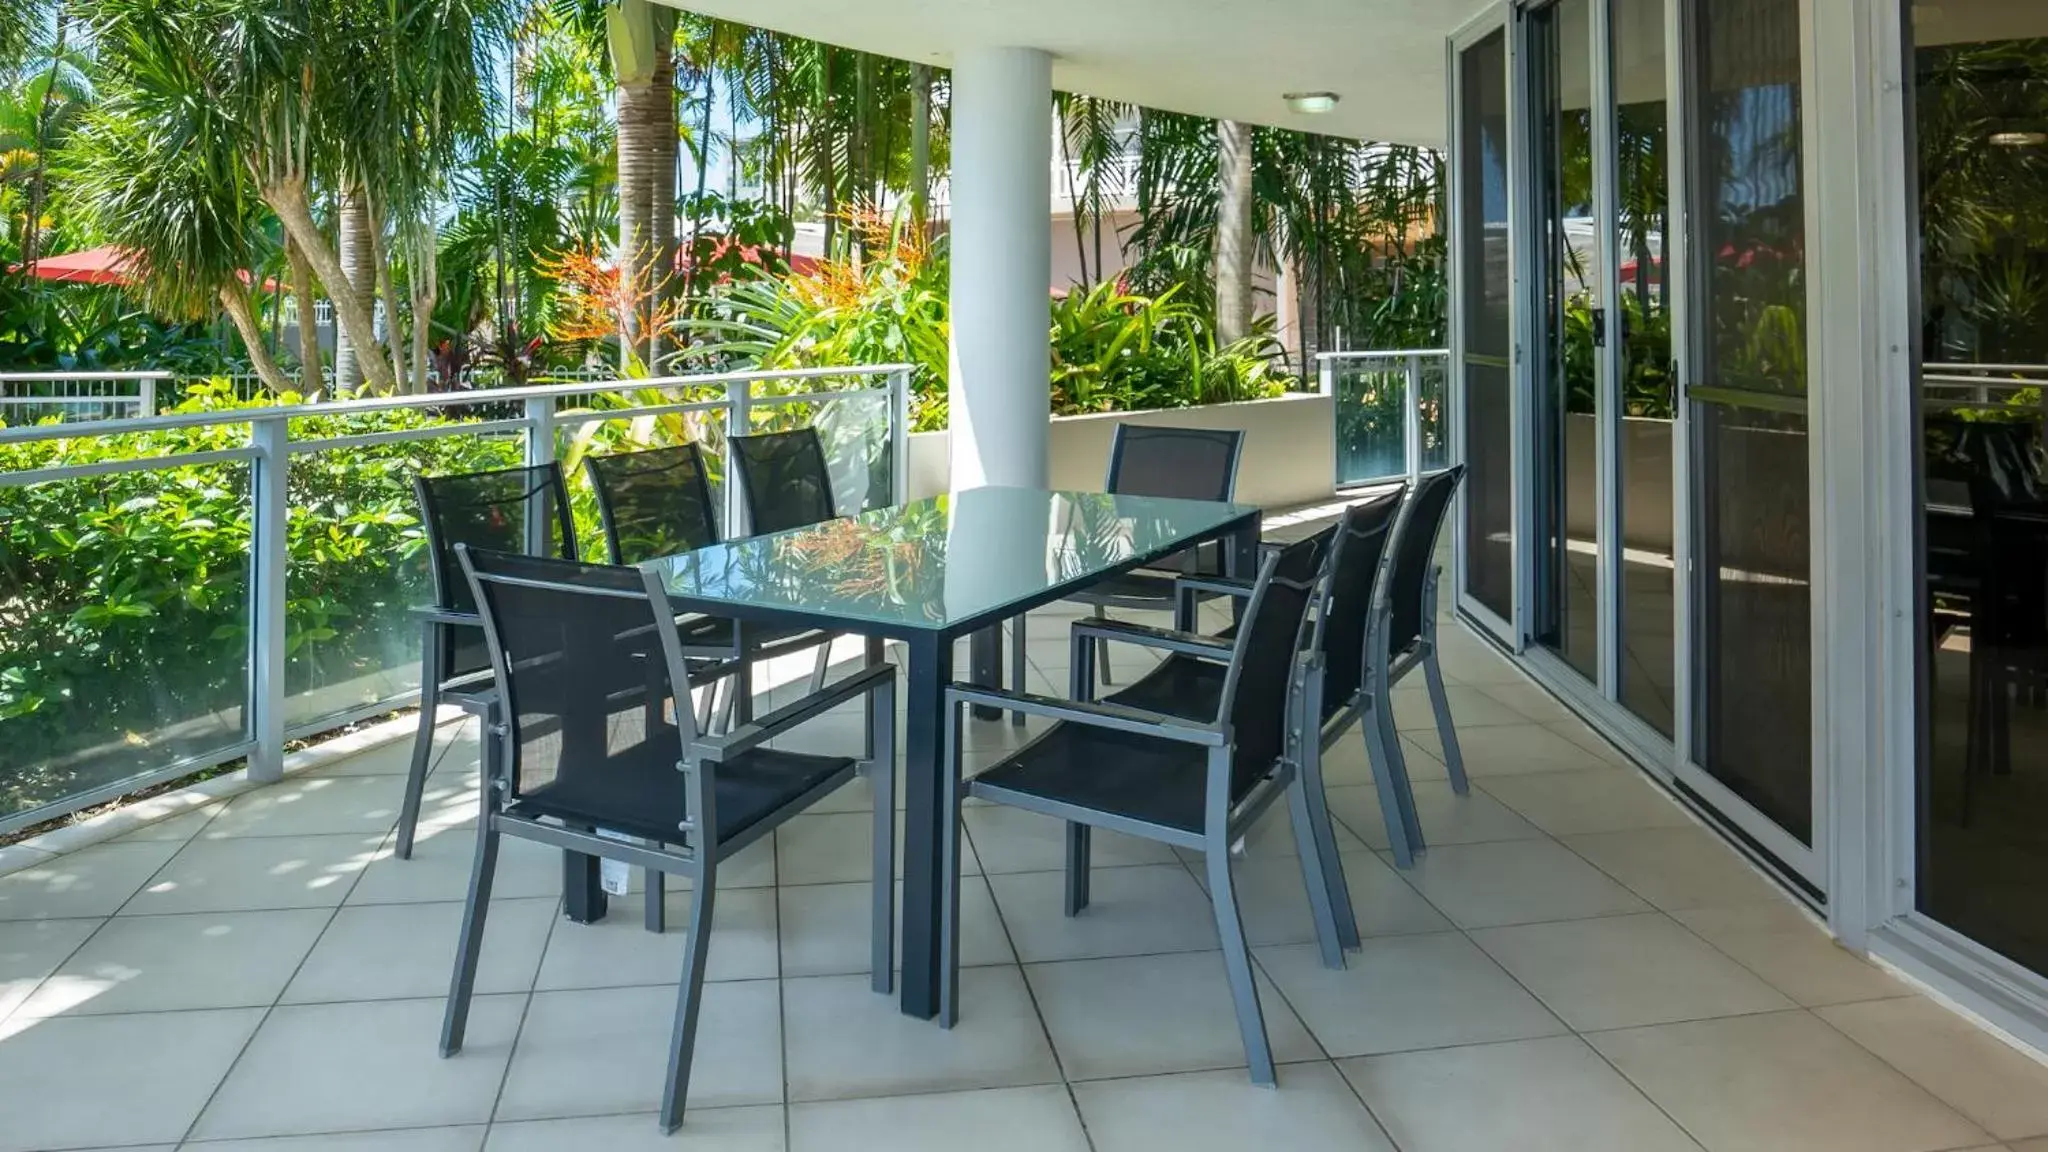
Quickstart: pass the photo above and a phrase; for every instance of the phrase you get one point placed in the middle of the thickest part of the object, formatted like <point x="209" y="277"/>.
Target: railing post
<point x="540" y="449"/>
<point x="739" y="416"/>
<point x="269" y="557"/>
<point x="1411" y="411"/>
<point x="148" y="396"/>
<point x="899" y="436"/>
<point x="1326" y="375"/>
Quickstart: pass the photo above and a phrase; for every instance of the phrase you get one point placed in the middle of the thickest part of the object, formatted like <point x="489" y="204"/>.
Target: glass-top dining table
<point x="928" y="573"/>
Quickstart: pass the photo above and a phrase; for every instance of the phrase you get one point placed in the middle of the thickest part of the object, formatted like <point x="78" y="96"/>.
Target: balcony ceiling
<point x="1222" y="58"/>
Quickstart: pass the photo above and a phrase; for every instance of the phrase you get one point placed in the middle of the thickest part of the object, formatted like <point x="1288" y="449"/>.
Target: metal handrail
<point x="271" y="446"/>
<point x="1407" y="361"/>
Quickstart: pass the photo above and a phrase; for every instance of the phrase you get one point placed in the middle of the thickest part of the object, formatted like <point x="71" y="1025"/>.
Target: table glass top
<point x="944" y="561"/>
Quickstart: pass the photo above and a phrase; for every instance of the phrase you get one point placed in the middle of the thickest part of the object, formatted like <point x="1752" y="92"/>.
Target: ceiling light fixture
<point x="1311" y="103"/>
<point x="2021" y="138"/>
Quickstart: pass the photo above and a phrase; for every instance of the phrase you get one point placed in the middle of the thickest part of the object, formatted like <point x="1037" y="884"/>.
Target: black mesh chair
<point x="658" y="503"/>
<point x="1334" y="683"/>
<point x="1196" y="784"/>
<point x="785" y="483"/>
<point x="1403" y="634"/>
<point x="595" y="731"/>
<point x="523" y="510"/>
<point x="1179" y="463"/>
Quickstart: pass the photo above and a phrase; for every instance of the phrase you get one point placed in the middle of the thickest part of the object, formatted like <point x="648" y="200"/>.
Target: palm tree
<point x="1234" y="236"/>
<point x="642" y="37"/>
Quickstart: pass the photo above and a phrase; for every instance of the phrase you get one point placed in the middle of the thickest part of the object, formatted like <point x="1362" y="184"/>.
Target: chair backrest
<point x="491" y="510"/>
<point x="1415" y="553"/>
<point x="653" y="503"/>
<point x="1345" y="612"/>
<point x="1261" y="676"/>
<point x="1182" y="463"/>
<point x="784" y="480"/>
<point x="591" y="678"/>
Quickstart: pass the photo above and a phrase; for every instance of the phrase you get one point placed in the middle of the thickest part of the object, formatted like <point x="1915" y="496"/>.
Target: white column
<point x="1002" y="266"/>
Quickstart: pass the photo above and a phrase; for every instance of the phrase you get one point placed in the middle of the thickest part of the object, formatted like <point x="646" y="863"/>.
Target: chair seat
<point x="1181" y="685"/>
<point x="1125" y="774"/>
<point x="750" y="787"/>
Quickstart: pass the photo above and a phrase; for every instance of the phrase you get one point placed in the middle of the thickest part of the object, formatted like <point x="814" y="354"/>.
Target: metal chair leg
<point x="1315" y="875"/>
<point x="1397" y="773"/>
<point x="1077" y="867"/>
<point x="824" y="665"/>
<point x="1018" y="665"/>
<point x="882" y="787"/>
<point x="1237" y="963"/>
<point x="1316" y="801"/>
<point x="1384" y="772"/>
<point x="949" y="868"/>
<point x="469" y="943"/>
<point x="657" y="906"/>
<point x="689" y="997"/>
<point x="423" y="740"/>
<point x="1446" y="732"/>
<point x="1102" y="650"/>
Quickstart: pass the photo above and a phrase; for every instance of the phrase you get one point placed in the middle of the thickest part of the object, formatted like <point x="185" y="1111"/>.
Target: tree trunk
<point x="387" y="292"/>
<point x="689" y="285"/>
<point x="920" y="145"/>
<point x="426" y="289"/>
<point x="234" y="300"/>
<point x="309" y="333"/>
<point x="359" y="266"/>
<point x="1234" y="239"/>
<point x="288" y="199"/>
<point x="662" y="178"/>
<point x="39" y="184"/>
<point x="639" y="154"/>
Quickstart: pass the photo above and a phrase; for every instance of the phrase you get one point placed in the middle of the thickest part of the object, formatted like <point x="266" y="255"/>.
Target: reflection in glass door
<point x="1570" y="328"/>
<point x="1484" y="338"/>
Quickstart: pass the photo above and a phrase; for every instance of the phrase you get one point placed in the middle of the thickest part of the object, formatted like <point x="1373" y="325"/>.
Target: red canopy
<point x="103" y="265"/>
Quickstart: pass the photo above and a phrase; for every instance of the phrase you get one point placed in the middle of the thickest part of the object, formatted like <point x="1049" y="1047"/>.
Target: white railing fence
<point x="1391" y="412"/>
<point x="301" y="624"/>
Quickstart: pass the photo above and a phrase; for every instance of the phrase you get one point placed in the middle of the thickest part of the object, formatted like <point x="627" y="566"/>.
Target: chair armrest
<point x="1114" y="717"/>
<point x="1214" y="585"/>
<point x="1146" y="636"/>
<point x="429" y="614"/>
<point x="752" y="735"/>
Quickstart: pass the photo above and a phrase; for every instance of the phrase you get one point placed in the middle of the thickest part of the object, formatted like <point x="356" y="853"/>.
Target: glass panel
<point x="1981" y="100"/>
<point x="1372" y="421"/>
<point x="1643" y="467"/>
<point x="1567" y="476"/>
<point x="359" y="558"/>
<point x="946" y="561"/>
<point x="1436" y="435"/>
<point x="1485" y="318"/>
<point x="1753" y="645"/>
<point x="124" y="615"/>
<point x="853" y="428"/>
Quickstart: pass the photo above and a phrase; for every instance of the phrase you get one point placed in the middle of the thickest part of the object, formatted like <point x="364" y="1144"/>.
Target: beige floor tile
<point x="1346" y="763"/>
<point x="1532" y="703"/>
<point x="1516" y="882"/>
<point x="1406" y="992"/>
<point x="1792" y="952"/>
<point x="755" y="1129"/>
<point x="1470" y="708"/>
<point x="312" y="806"/>
<point x="619" y="951"/>
<point x="1580" y="734"/>
<point x="1312" y="1108"/>
<point x="403" y="951"/>
<point x="1040" y="1119"/>
<point x="91" y="882"/>
<point x="1146" y="1015"/>
<point x="32" y="949"/>
<point x="1131" y="911"/>
<point x="98" y="1081"/>
<point x="1273" y="900"/>
<point x="438" y="872"/>
<point x="1784" y="1081"/>
<point x="2029" y="1146"/>
<point x="1272" y="838"/>
<point x="1447" y="818"/>
<point x="460" y="1138"/>
<point x="1013" y="840"/>
<point x="164" y="963"/>
<point x="834" y="848"/>
<point x="1513" y="750"/>
<point x="255" y="874"/>
<point x="1601" y="800"/>
<point x="173" y="829"/>
<point x="1625" y="971"/>
<point x="606" y="1050"/>
<point x="1676" y="868"/>
<point x="825" y="928"/>
<point x="374" y="1064"/>
<point x="2001" y="1089"/>
<point x="1551" y="1095"/>
<point x="847" y="1041"/>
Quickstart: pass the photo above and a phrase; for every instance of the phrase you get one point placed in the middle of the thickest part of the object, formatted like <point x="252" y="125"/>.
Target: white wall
<point x="1290" y="448"/>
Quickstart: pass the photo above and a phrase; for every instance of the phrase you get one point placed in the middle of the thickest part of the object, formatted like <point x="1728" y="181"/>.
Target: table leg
<point x="930" y="669"/>
<point x="985" y="667"/>
<point x="583" y="900"/>
<point x="1241" y="561"/>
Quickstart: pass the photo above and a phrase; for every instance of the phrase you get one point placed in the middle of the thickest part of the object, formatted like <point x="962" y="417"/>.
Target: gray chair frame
<point x="697" y="853"/>
<point x="1225" y="821"/>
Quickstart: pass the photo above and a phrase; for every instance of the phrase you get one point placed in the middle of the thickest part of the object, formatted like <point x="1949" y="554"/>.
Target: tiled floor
<point x="1574" y="965"/>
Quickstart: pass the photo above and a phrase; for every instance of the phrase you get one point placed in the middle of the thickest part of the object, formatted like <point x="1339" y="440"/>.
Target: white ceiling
<point x="1222" y="58"/>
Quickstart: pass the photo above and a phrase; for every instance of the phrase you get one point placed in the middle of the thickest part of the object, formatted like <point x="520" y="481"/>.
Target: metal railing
<point x="1391" y="412"/>
<point x="1986" y="387"/>
<point x="172" y="461"/>
<point x="26" y="397"/>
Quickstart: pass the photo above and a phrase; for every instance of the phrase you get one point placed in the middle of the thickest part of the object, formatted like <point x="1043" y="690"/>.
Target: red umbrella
<point x="103" y="265"/>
